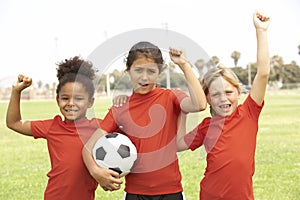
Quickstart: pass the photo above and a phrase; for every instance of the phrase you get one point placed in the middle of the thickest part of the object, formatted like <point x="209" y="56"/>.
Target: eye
<point x="138" y="70"/>
<point x="215" y="94"/>
<point x="229" y="92"/>
<point x="151" y="71"/>
<point x="79" y="98"/>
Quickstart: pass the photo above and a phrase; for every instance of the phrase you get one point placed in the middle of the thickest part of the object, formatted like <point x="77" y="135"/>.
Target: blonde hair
<point x="220" y="71"/>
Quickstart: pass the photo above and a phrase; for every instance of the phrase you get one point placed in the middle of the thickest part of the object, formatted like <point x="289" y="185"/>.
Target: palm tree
<point x="277" y="68"/>
<point x="236" y="56"/>
<point x="213" y="61"/>
<point x="199" y="64"/>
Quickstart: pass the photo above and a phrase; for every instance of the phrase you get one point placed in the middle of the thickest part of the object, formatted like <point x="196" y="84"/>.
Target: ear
<point x="57" y="99"/>
<point x="239" y="94"/>
<point x="91" y="102"/>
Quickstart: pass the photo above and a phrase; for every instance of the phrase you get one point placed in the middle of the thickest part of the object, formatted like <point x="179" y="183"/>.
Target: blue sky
<point x="36" y="34"/>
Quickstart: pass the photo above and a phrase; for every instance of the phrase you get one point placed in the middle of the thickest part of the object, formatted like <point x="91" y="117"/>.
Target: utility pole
<point x="168" y="82"/>
<point x="107" y="75"/>
<point x="249" y="74"/>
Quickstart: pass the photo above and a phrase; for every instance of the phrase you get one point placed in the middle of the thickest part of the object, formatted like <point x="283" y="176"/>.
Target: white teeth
<point x="71" y="110"/>
<point x="224" y="106"/>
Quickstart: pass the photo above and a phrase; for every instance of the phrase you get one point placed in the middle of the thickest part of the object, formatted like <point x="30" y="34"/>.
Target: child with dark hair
<point x="68" y="177"/>
<point x="149" y="118"/>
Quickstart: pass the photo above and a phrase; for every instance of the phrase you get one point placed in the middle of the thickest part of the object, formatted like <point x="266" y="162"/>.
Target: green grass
<point x="24" y="161"/>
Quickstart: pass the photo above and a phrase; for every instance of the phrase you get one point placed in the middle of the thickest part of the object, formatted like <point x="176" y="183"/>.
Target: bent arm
<point x="197" y="100"/>
<point x="108" y="179"/>
<point x="181" y="131"/>
<point x="13" y="116"/>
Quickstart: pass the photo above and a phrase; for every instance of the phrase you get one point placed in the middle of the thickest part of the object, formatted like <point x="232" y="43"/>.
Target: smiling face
<point x="143" y="74"/>
<point x="223" y="97"/>
<point x="73" y="101"/>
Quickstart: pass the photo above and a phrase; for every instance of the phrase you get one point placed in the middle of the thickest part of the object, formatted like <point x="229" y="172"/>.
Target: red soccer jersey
<point x="68" y="177"/>
<point x="230" y="144"/>
<point x="150" y="121"/>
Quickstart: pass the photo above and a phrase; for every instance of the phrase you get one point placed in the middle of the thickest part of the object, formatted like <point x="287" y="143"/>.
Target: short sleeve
<point x="252" y="107"/>
<point x="109" y="124"/>
<point x="40" y="128"/>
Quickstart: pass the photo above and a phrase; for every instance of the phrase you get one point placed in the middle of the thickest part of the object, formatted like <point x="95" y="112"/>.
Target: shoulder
<point x="95" y="122"/>
<point x="249" y="102"/>
<point x="55" y="119"/>
<point x="179" y="94"/>
<point x="251" y="108"/>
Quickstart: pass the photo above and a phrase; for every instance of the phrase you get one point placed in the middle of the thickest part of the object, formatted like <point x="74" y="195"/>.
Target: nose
<point x="223" y="97"/>
<point x="71" y="102"/>
<point x="144" y="75"/>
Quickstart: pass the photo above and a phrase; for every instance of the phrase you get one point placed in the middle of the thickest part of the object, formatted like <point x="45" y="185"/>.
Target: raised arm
<point x="197" y="100"/>
<point x="13" y="116"/>
<point x="107" y="179"/>
<point x="258" y="90"/>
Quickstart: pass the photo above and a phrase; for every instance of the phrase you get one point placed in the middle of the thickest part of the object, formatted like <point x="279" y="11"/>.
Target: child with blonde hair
<point x="229" y="135"/>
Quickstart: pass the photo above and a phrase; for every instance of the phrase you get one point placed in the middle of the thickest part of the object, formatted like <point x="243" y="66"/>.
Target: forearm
<point x="260" y="81"/>
<point x="87" y="152"/>
<point x="197" y="96"/>
<point x="13" y="114"/>
<point x="107" y="179"/>
<point x="263" y="59"/>
<point x="89" y="161"/>
<point x="181" y="131"/>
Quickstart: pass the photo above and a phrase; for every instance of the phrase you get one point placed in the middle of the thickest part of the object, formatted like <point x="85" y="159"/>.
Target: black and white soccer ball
<point x="115" y="151"/>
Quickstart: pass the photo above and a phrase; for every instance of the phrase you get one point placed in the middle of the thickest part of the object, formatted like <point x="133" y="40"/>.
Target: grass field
<point x="24" y="161"/>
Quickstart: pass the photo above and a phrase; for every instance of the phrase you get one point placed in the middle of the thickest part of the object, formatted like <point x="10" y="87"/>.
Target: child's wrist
<point x="16" y="91"/>
<point x="185" y="66"/>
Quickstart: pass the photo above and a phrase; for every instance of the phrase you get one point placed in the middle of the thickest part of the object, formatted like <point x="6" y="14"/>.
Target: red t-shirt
<point x="68" y="177"/>
<point x="230" y="144"/>
<point x="150" y="121"/>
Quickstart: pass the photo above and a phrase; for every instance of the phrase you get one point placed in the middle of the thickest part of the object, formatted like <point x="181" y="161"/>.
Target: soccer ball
<point x="115" y="151"/>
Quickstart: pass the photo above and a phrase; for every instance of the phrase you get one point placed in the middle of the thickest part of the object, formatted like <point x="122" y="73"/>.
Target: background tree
<point x="177" y="79"/>
<point x="200" y="64"/>
<point x="213" y="61"/>
<point x="242" y="73"/>
<point x="290" y="73"/>
<point x="235" y="55"/>
<point x="39" y="84"/>
<point x="276" y="68"/>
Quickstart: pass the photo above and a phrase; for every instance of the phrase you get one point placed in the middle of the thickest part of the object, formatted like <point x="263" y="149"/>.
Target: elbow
<point x="198" y="108"/>
<point x="264" y="73"/>
<point x="181" y="146"/>
<point x="202" y="106"/>
<point x="9" y="125"/>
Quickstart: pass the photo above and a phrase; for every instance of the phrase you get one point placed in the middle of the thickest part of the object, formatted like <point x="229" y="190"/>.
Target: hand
<point x="120" y="100"/>
<point x="108" y="179"/>
<point x="261" y="20"/>
<point x="22" y="82"/>
<point x="178" y="58"/>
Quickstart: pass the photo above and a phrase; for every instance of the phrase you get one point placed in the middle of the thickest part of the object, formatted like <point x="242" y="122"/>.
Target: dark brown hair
<point x="76" y="70"/>
<point x="146" y="49"/>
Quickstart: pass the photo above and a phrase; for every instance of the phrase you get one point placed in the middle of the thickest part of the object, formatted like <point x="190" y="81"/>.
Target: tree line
<point x="281" y="73"/>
